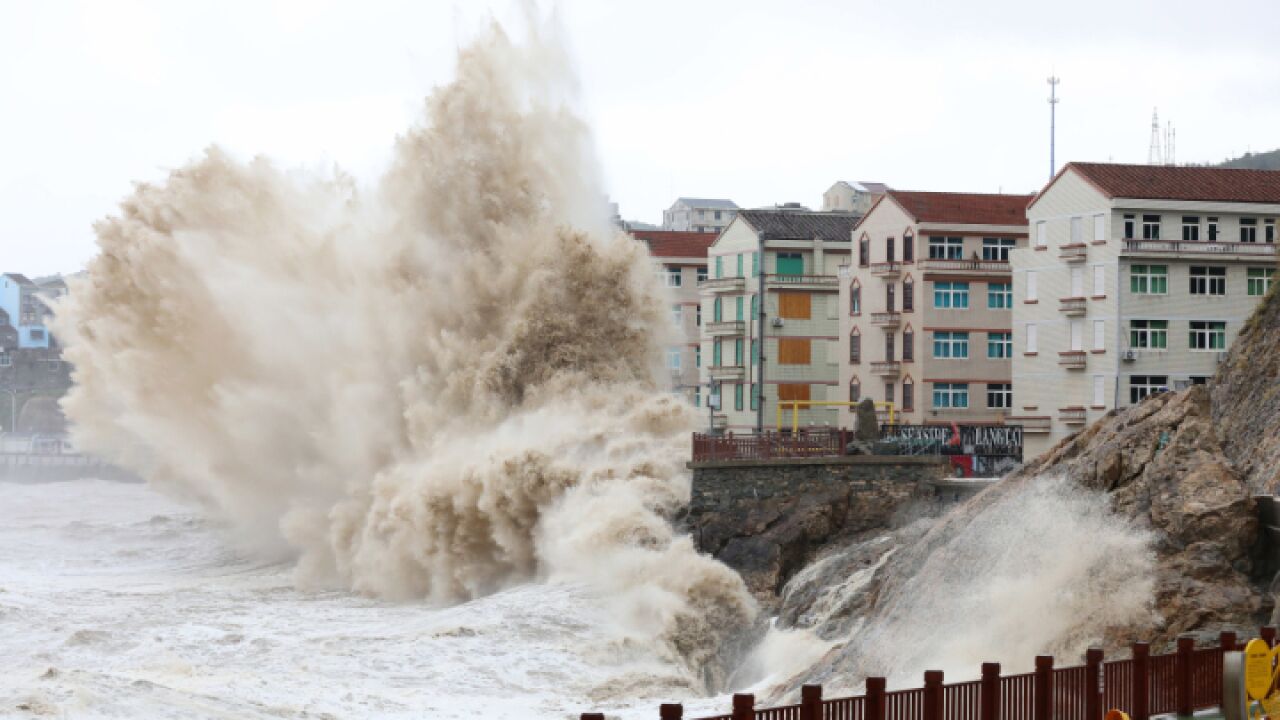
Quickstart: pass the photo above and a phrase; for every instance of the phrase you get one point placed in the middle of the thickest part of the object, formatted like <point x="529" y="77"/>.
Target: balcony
<point x="1032" y="425"/>
<point x="1071" y="415"/>
<point x="1073" y="359"/>
<point x="1074" y="253"/>
<point x="993" y="268"/>
<point x="727" y="372"/>
<point x="802" y="282"/>
<point x="733" y="327"/>
<point x="886" y="269"/>
<point x="1072" y="306"/>
<point x="886" y="319"/>
<point x="1222" y="250"/>
<point x="886" y="368"/>
<point x="723" y="284"/>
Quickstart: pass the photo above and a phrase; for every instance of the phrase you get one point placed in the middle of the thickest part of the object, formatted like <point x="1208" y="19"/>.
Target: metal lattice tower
<point x="1053" y="112"/>
<point x="1154" y="156"/>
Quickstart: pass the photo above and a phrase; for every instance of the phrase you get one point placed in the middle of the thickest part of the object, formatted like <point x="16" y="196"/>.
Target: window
<point x="908" y="248"/>
<point x="793" y="351"/>
<point x="864" y="252"/>
<point x="697" y="397"/>
<point x="951" y="395"/>
<point x="741" y="257"/>
<point x="855" y="348"/>
<point x="1099" y="390"/>
<point x="954" y="295"/>
<point x="999" y="345"/>
<point x="755" y="352"/>
<point x="888" y="392"/>
<point x="697" y="315"/>
<point x="997" y="249"/>
<point x="37" y="333"/>
<point x="673" y="277"/>
<point x="1000" y="395"/>
<point x="951" y="345"/>
<point x="1149" y="334"/>
<point x="717" y="352"/>
<point x="755" y="307"/>
<point x="738" y="308"/>
<point x="1269" y="230"/>
<point x="737" y="396"/>
<point x="677" y="317"/>
<point x="908" y="346"/>
<point x="889" y="304"/>
<point x="1190" y="228"/>
<point x="1099" y="228"/>
<point x="1213" y="229"/>
<point x="702" y="214"/>
<point x="999" y="296"/>
<point x="855" y="390"/>
<point x="5" y="360"/>
<point x="755" y="264"/>
<point x="673" y="359"/>
<point x="908" y="295"/>
<point x="1208" y="280"/>
<point x="889" y="250"/>
<point x="1150" y="227"/>
<point x="889" y="354"/>
<point x="1099" y="280"/>
<point x="795" y="305"/>
<point x="1077" y="230"/>
<point x="702" y="273"/>
<point x="1208" y="335"/>
<point x="717" y="214"/>
<point x="717" y="310"/>
<point x="1149" y="279"/>
<point x="1031" y="337"/>
<point x="1076" y="328"/>
<point x="697" y="356"/>
<point x="1260" y="280"/>
<point x="1143" y="386"/>
<point x="1128" y="227"/>
<point x="1031" y="286"/>
<point x="755" y="396"/>
<point x="855" y="299"/>
<point x="908" y="396"/>
<point x="719" y="266"/>
<point x="1077" y="282"/>
<point x="790" y="264"/>
<point x="1042" y="234"/>
<point x="946" y="248"/>
<point x="1248" y="230"/>
<point x="1099" y="334"/>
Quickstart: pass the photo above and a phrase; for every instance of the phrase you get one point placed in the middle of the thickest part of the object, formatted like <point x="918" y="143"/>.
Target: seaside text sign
<point x="1260" y="676"/>
<point x="995" y="439"/>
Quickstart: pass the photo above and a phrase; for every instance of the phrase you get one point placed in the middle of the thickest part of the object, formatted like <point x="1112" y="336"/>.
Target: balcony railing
<point x="731" y="327"/>
<point x="1199" y="248"/>
<point x="1073" y="359"/>
<point x="886" y="319"/>
<point x="886" y="368"/>
<point x="886" y="269"/>
<point x="724" y="283"/>
<point x="1076" y="252"/>
<point x="983" y="266"/>
<point x="1032" y="425"/>
<point x="1072" y="306"/>
<point x="797" y="280"/>
<point x="1072" y="416"/>
<point x="727" y="372"/>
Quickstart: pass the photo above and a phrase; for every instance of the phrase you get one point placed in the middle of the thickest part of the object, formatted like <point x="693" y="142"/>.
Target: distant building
<point x="699" y="215"/>
<point x="926" y="307"/>
<point x="802" y="251"/>
<point x="1137" y="280"/>
<point x="26" y="310"/>
<point x="854" y="197"/>
<point x="681" y="263"/>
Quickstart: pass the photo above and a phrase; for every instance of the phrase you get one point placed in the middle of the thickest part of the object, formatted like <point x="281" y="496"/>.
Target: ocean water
<point x="116" y="602"/>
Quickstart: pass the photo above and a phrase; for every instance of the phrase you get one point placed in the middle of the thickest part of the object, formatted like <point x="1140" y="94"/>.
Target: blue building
<point x="25" y="309"/>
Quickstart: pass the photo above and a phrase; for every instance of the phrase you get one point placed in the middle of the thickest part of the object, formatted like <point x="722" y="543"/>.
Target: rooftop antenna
<point x="1154" y="156"/>
<point x="1053" y="112"/>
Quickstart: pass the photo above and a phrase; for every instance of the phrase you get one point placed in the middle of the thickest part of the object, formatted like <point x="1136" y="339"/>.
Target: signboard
<point x="1260" y="676"/>
<point x="979" y="439"/>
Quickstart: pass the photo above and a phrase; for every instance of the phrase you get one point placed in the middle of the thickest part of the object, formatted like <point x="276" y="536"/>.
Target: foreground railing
<point x="769" y="445"/>
<point x="1143" y="685"/>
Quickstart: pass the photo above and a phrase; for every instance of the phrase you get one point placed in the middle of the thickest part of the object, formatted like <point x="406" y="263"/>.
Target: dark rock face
<point x="768" y="520"/>
<point x="1246" y="399"/>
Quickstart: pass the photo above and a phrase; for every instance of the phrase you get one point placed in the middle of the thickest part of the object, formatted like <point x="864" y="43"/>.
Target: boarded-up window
<point x="796" y="306"/>
<point x="793" y="351"/>
<point x="793" y="392"/>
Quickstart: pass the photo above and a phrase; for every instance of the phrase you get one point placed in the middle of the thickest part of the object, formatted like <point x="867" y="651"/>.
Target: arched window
<point x="908" y="247"/>
<point x="855" y="390"/>
<point x="855" y="347"/>
<point x="855" y="298"/>
<point x="908" y="293"/>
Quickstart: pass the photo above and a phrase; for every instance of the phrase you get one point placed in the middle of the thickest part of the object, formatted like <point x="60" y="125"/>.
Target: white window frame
<point x="1143" y="335"/>
<point x="1002" y="393"/>
<point x="1001" y="299"/>
<point x="997" y="249"/>
<point x="1099" y="334"/>
<point x="1099" y="228"/>
<point x="1042" y="234"/>
<point x="1077" y="230"/>
<point x="1211" y="278"/>
<point x="954" y="292"/>
<point x="1099" y="390"/>
<point x="674" y="277"/>
<point x="1143" y="386"/>
<point x="956" y="394"/>
<point x="1201" y="338"/>
<point x="677" y="315"/>
<point x="956" y="344"/>
<point x="947" y="247"/>
<point x="1146" y="277"/>
<point x="1002" y="343"/>
<point x="1099" y="280"/>
<point x="1261" y="283"/>
<point x="674" y="361"/>
<point x="1032" y="290"/>
<point x="1031" y="334"/>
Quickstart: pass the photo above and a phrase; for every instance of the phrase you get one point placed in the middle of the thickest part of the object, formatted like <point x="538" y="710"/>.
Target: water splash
<point x="438" y="387"/>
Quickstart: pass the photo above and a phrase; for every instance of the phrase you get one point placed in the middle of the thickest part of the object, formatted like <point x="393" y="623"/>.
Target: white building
<point x="680" y="259"/>
<point x="1136" y="280"/>
<point x="850" y="196"/>
<point x="699" y="215"/>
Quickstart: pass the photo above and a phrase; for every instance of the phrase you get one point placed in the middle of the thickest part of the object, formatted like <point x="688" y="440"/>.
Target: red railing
<point x="1144" y="685"/>
<point x="770" y="445"/>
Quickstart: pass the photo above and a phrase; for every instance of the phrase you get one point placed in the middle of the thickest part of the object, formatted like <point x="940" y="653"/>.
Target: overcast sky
<point x="760" y="102"/>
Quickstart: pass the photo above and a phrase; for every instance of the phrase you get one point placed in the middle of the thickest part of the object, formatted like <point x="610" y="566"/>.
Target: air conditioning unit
<point x="777" y="322"/>
<point x="1222" y="356"/>
<point x="1128" y="355"/>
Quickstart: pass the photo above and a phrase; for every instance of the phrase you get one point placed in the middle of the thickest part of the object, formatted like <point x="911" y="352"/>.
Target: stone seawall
<point x="767" y="519"/>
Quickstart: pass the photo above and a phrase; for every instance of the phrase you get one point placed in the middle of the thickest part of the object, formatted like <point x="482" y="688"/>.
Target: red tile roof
<point x="672" y="243"/>
<point x="963" y="208"/>
<point x="1164" y="182"/>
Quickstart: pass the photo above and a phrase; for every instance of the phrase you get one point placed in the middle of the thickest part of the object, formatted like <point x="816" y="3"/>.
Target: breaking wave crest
<point x="436" y="387"/>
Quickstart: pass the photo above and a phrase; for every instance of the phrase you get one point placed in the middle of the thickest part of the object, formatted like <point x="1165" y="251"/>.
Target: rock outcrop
<point x="1246" y="400"/>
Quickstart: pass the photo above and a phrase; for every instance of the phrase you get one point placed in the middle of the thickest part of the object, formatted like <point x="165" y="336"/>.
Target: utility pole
<point x="760" y="306"/>
<point x="1053" y="121"/>
<point x="1154" y="156"/>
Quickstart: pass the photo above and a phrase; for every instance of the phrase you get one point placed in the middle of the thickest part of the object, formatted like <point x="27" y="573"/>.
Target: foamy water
<point x="117" y="602"/>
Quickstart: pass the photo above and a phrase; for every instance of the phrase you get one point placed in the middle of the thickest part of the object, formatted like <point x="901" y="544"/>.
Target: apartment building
<point x="20" y="300"/>
<point x="1137" y="279"/>
<point x="926" y="319"/>
<point x="851" y="196"/>
<point x="680" y="261"/>
<point x="699" y="215"/>
<point x="781" y="262"/>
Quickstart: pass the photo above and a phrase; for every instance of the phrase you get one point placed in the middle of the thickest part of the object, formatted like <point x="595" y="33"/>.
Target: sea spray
<point x="1040" y="566"/>
<point x="435" y="388"/>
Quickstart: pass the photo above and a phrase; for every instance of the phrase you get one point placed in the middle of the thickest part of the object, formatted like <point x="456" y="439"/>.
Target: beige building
<point x="925" y="320"/>
<point x="1137" y="280"/>
<point x="854" y="197"/>
<point x="789" y="256"/>
<point x="709" y="215"/>
<point x="680" y="260"/>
